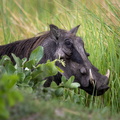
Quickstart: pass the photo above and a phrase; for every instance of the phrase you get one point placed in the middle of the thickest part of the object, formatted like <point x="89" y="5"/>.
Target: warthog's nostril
<point x="83" y="70"/>
<point x="61" y="58"/>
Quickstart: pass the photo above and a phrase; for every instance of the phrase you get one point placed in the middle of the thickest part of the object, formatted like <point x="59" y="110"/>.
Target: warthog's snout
<point x="97" y="86"/>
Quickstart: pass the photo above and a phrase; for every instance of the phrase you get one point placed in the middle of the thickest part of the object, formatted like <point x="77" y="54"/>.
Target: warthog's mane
<point x="23" y="48"/>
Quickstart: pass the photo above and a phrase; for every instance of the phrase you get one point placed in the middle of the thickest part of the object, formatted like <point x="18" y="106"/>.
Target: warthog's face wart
<point x="71" y="49"/>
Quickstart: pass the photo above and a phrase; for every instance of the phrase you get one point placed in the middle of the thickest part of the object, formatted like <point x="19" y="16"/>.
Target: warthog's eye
<point x="68" y="43"/>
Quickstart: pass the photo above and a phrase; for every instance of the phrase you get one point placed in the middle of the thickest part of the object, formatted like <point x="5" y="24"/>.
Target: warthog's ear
<point x="74" y="30"/>
<point x="54" y="31"/>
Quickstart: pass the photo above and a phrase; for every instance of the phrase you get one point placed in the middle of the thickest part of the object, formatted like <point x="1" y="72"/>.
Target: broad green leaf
<point x="50" y="68"/>
<point x="10" y="68"/>
<point x="27" y="79"/>
<point x="30" y="64"/>
<point x="2" y="70"/>
<point x="37" y="54"/>
<point x="41" y="83"/>
<point x="12" y="81"/>
<point x="5" y="60"/>
<point x="9" y="81"/>
<point x="37" y="72"/>
<point x="53" y="84"/>
<point x="45" y="70"/>
<point x="23" y="84"/>
<point x="66" y="94"/>
<point x="74" y="85"/>
<point x="59" y="91"/>
<point x="64" y="80"/>
<point x="21" y="76"/>
<point x="71" y="79"/>
<point x="24" y="61"/>
<point x="68" y="83"/>
<point x="18" y="69"/>
<point x="17" y="60"/>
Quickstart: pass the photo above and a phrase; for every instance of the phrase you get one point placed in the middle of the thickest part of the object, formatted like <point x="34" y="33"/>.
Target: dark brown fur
<point x="22" y="48"/>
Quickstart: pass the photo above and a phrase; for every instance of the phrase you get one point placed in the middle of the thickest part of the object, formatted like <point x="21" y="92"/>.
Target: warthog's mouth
<point x="95" y="88"/>
<point x="92" y="90"/>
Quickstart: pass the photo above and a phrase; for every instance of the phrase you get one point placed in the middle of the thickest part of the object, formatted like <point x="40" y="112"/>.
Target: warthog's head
<point x="71" y="49"/>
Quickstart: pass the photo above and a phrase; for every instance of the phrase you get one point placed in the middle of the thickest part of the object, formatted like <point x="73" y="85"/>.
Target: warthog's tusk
<point x="90" y="73"/>
<point x="91" y="77"/>
<point x="108" y="73"/>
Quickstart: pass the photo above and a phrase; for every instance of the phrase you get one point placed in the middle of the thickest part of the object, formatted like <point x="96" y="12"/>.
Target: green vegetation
<point x="99" y="29"/>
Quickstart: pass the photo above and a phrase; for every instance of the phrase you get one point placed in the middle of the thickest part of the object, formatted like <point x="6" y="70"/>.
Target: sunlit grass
<point x="99" y="29"/>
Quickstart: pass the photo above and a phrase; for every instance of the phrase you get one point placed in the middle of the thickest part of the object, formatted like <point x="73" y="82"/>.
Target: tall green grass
<point x="99" y="29"/>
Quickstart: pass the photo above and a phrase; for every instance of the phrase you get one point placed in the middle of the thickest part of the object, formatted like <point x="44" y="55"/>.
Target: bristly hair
<point x="23" y="48"/>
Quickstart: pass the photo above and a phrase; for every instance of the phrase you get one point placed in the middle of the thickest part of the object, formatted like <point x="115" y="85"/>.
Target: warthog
<point x="62" y="44"/>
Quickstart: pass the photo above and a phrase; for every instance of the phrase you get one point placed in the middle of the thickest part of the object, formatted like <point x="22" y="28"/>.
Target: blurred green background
<point x="100" y="30"/>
